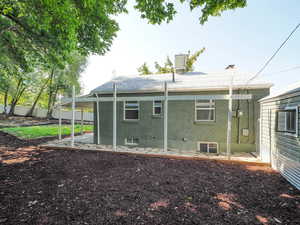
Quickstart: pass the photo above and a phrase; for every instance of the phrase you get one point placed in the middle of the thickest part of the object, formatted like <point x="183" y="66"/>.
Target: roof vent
<point x="232" y="66"/>
<point x="180" y="63"/>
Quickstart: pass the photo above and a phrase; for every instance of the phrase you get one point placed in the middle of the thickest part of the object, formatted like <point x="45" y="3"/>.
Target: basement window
<point x="208" y="147"/>
<point x="131" y="141"/>
<point x="157" y="108"/>
<point x="205" y="110"/>
<point x="287" y="120"/>
<point x="131" y="110"/>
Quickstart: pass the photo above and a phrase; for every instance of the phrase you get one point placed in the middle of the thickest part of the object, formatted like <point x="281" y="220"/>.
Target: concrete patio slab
<point x="85" y="142"/>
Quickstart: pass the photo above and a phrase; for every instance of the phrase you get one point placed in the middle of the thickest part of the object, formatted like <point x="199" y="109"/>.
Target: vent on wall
<point x="180" y="63"/>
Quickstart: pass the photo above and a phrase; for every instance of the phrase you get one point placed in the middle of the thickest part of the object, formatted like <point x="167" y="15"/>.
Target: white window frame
<point x="211" y="105"/>
<point x="296" y="120"/>
<point x="124" y="111"/>
<point x="153" y="108"/>
<point x="205" y="142"/>
<point x="130" y="141"/>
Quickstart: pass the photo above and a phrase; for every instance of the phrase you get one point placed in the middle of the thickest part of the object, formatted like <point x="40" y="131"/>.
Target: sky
<point x="245" y="37"/>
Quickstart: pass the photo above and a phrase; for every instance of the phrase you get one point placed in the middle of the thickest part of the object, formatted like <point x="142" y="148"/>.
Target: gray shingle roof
<point x="191" y="81"/>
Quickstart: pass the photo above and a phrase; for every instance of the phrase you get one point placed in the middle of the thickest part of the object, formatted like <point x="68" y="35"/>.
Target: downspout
<point x="238" y="120"/>
<point x="253" y="121"/>
<point x="248" y="114"/>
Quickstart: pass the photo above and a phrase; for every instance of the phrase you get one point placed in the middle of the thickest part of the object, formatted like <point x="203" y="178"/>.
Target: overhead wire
<point x="274" y="54"/>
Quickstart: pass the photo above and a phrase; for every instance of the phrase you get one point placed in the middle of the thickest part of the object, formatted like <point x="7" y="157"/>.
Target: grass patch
<point x="43" y="131"/>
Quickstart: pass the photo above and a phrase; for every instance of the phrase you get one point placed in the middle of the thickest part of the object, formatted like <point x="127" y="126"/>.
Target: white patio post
<point x="229" y="122"/>
<point x="98" y="119"/>
<point x="81" y="122"/>
<point x="166" y="118"/>
<point x="59" y="118"/>
<point x="115" y="117"/>
<point x="73" y="117"/>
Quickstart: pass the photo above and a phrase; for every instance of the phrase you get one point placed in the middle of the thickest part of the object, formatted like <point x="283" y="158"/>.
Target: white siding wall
<point x="281" y="150"/>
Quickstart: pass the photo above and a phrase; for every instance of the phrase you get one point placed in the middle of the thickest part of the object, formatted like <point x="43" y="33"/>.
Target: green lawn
<point x="43" y="131"/>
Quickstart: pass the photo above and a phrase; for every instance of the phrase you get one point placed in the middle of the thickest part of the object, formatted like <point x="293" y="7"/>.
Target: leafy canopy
<point x="43" y="31"/>
<point x="49" y="30"/>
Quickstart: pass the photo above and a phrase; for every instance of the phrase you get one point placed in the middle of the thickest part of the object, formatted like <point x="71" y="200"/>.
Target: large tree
<point x="49" y="30"/>
<point x="61" y="81"/>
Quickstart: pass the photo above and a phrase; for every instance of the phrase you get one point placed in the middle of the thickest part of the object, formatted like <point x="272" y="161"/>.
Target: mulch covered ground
<point x="82" y="187"/>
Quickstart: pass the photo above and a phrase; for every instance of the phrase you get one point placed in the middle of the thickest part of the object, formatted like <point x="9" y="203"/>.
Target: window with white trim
<point x="157" y="108"/>
<point x="131" y="110"/>
<point x="287" y="120"/>
<point x="131" y="141"/>
<point x="205" y="110"/>
<point x="208" y="147"/>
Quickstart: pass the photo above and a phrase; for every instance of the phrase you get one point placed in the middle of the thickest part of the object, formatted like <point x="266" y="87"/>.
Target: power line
<point x="275" y="53"/>
<point x="281" y="71"/>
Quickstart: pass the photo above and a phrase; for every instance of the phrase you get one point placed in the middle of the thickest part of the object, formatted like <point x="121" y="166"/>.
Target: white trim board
<point x="170" y="98"/>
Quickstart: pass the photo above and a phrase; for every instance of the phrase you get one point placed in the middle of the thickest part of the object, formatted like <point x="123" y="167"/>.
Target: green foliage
<point x="61" y="81"/>
<point x="158" y="11"/>
<point x="214" y="7"/>
<point x="144" y="69"/>
<point x="168" y="66"/>
<point x="42" y="86"/>
<point x="44" y="131"/>
<point x="192" y="59"/>
<point x="49" y="30"/>
<point x="38" y="40"/>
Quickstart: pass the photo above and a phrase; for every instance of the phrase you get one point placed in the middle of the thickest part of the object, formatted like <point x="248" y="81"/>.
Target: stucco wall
<point x="183" y="131"/>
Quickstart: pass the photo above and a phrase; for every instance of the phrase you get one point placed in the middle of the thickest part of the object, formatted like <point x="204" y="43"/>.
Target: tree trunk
<point x="5" y="102"/>
<point x="30" y="112"/>
<point x="50" y="95"/>
<point x="15" y="98"/>
<point x="15" y="101"/>
<point x="51" y="106"/>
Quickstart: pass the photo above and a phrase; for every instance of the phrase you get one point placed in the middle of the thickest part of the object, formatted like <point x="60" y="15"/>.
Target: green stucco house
<point x="197" y="111"/>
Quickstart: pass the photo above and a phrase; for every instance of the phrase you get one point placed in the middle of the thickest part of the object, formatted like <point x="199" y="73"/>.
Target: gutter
<point x="159" y="90"/>
<point x="280" y="97"/>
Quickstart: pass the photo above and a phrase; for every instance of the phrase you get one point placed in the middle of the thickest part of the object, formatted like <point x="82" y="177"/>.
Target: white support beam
<point x="115" y="117"/>
<point x="81" y="121"/>
<point x="98" y="119"/>
<point x="166" y="118"/>
<point x="59" y="118"/>
<point x="229" y="123"/>
<point x="161" y="98"/>
<point x="73" y="117"/>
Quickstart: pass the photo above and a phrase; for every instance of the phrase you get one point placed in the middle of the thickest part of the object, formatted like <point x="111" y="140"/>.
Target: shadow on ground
<point x="40" y="186"/>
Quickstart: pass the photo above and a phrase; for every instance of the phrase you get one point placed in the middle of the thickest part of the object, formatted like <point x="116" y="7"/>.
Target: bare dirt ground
<point x="40" y="186"/>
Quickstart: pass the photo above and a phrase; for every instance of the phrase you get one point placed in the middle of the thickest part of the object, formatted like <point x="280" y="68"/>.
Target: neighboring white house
<point x="279" y="132"/>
